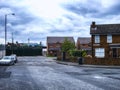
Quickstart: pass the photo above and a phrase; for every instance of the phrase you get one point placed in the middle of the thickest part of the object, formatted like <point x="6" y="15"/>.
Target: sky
<point x="37" y="19"/>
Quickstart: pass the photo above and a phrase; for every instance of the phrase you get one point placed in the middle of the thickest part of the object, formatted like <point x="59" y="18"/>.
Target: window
<point x="97" y="39"/>
<point x="99" y="52"/>
<point x="94" y="28"/>
<point x="109" y="38"/>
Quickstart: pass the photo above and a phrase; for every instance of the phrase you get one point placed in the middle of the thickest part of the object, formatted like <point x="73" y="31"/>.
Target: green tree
<point x="67" y="45"/>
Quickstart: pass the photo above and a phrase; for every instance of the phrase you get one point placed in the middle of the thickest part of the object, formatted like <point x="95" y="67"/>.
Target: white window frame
<point x="95" y="28"/>
<point x="97" y="38"/>
<point x="99" y="52"/>
<point x="109" y="38"/>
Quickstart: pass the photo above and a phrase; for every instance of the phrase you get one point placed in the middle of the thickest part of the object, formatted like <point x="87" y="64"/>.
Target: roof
<point x="106" y="29"/>
<point x="84" y="40"/>
<point x="59" y="39"/>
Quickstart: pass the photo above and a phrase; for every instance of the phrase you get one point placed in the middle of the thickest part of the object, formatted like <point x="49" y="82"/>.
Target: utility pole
<point x="28" y="41"/>
<point x="6" y="29"/>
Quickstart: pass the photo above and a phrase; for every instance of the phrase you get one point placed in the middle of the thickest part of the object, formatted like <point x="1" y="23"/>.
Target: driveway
<point x="42" y="73"/>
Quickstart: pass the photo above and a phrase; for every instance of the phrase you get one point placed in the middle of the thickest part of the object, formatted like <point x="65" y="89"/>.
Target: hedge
<point x="24" y="51"/>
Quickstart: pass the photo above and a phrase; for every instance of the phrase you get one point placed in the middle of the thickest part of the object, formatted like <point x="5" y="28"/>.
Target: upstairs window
<point x="95" y="28"/>
<point x="97" y="39"/>
<point x="109" y="38"/>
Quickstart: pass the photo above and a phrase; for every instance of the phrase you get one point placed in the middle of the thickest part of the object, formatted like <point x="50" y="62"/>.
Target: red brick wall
<point x="53" y="45"/>
<point x="102" y="61"/>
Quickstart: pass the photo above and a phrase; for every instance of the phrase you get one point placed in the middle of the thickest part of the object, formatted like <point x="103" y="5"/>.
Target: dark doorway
<point x="114" y="52"/>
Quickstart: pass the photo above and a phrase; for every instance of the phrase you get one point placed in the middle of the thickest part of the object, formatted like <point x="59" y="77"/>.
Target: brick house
<point x="84" y="43"/>
<point x="105" y="40"/>
<point x="54" y="44"/>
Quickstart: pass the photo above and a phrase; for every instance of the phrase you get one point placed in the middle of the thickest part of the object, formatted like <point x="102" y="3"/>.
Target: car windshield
<point x="7" y="57"/>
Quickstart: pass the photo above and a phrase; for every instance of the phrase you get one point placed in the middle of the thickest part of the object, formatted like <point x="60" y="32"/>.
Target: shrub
<point x="83" y="53"/>
<point x="78" y="53"/>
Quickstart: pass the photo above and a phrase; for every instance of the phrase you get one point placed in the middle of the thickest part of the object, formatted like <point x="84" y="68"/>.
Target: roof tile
<point x="106" y="29"/>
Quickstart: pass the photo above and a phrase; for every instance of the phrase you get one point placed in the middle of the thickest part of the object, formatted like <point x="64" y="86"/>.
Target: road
<point x="41" y="73"/>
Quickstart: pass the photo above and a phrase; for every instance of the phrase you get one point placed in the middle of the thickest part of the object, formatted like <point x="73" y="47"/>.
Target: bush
<point x="78" y="53"/>
<point x="24" y="51"/>
<point x="83" y="53"/>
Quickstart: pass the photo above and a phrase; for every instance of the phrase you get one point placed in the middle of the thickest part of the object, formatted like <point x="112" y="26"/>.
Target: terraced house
<point x="105" y="40"/>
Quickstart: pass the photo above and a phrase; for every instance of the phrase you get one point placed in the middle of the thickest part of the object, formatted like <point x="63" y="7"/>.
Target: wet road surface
<point x="41" y="73"/>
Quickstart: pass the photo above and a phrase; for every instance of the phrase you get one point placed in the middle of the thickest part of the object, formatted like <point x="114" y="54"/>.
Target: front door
<point x="114" y="52"/>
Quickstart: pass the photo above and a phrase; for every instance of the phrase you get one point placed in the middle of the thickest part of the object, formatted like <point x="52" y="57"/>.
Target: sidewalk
<point x="85" y="65"/>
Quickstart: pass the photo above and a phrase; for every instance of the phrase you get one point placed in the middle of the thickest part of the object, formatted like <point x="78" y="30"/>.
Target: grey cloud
<point x="93" y="9"/>
<point x="114" y="10"/>
<point x="83" y="8"/>
<point x="23" y="18"/>
<point x="60" y="31"/>
<point x="21" y="12"/>
<point x="32" y="36"/>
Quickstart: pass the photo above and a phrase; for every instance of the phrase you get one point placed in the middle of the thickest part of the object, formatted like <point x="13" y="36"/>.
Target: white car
<point x="14" y="57"/>
<point x="7" y="60"/>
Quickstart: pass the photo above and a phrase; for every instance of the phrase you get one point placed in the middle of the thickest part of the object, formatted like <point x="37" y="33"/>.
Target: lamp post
<point x="6" y="28"/>
<point x="12" y="43"/>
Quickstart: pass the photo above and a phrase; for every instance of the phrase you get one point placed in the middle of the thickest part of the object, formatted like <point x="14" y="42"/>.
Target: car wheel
<point x="15" y="61"/>
<point x="12" y="63"/>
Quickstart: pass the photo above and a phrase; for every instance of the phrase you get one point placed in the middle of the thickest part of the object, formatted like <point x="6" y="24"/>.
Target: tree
<point x="67" y="45"/>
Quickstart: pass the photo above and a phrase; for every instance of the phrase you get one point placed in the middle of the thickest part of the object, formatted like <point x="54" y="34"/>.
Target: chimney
<point x="93" y="24"/>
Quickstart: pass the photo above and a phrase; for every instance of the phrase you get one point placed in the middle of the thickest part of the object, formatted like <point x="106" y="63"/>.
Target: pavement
<point x="86" y="65"/>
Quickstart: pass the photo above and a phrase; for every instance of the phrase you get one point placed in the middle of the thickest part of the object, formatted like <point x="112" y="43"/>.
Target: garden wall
<point x="102" y="61"/>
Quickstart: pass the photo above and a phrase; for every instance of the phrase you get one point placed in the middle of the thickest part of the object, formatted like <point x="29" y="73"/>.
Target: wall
<point x="53" y="45"/>
<point x="102" y="61"/>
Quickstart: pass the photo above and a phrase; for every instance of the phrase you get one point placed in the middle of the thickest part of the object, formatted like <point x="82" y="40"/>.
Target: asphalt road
<point x="41" y="73"/>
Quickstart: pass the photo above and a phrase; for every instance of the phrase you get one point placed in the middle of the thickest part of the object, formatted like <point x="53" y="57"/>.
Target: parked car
<point x="8" y="60"/>
<point x="14" y="58"/>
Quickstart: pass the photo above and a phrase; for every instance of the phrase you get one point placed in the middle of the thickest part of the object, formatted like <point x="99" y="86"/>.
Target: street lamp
<point x="6" y="28"/>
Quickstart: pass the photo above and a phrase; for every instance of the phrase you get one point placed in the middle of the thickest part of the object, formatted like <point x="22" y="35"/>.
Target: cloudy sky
<point x="37" y="19"/>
